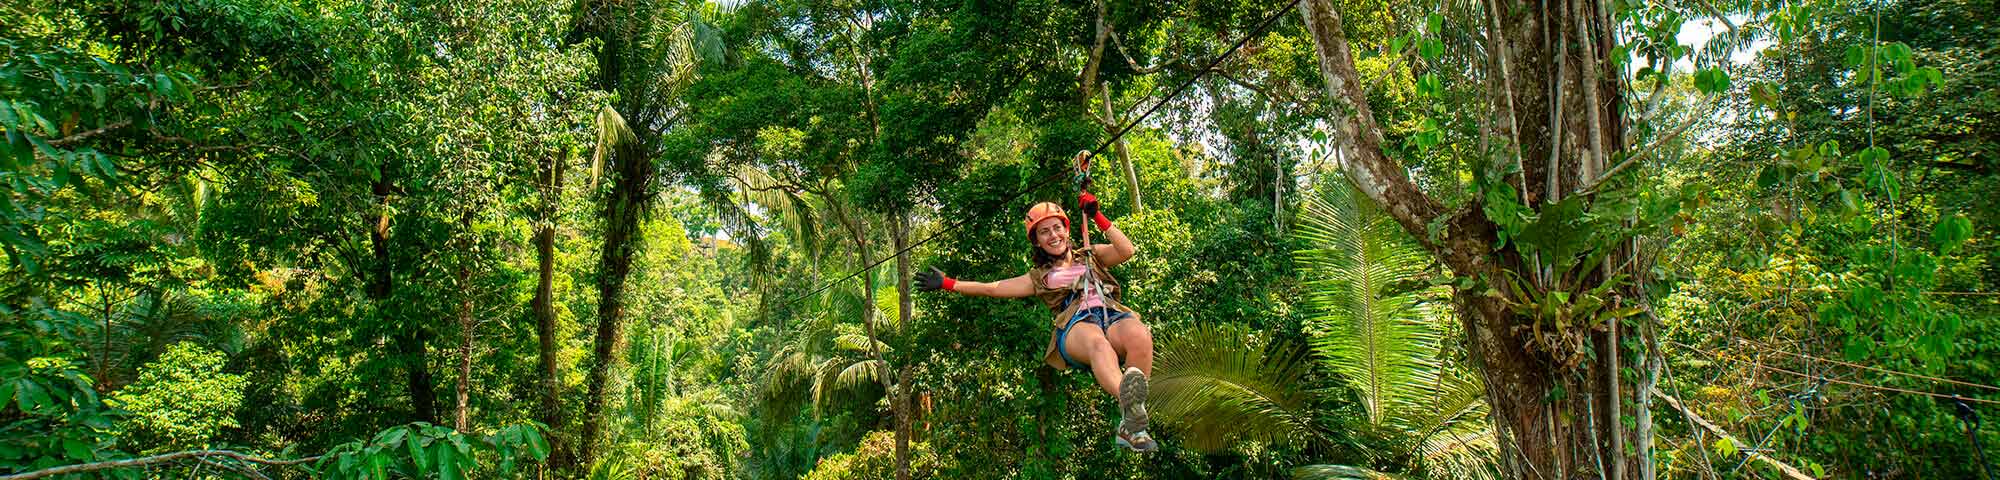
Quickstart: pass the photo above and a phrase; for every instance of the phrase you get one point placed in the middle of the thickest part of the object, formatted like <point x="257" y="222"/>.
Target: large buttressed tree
<point x="1548" y="245"/>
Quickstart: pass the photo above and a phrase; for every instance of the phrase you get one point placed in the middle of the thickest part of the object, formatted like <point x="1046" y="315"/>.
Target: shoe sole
<point x="1131" y="397"/>
<point x="1151" y="444"/>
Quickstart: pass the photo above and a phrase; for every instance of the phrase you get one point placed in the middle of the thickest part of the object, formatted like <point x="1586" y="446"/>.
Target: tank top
<point x="1063" y="276"/>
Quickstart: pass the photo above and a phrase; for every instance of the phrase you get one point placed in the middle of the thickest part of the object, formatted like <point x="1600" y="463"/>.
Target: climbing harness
<point x="1090" y="281"/>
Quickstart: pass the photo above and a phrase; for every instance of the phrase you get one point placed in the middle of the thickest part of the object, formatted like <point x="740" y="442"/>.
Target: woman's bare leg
<point x="1132" y="341"/>
<point x="1086" y="345"/>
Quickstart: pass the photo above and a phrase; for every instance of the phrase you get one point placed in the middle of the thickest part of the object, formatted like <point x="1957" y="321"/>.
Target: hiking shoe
<point x="1132" y="403"/>
<point x="1138" y="441"/>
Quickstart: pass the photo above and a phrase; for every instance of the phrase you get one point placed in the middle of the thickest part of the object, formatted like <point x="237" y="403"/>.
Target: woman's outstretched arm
<point x="1016" y="287"/>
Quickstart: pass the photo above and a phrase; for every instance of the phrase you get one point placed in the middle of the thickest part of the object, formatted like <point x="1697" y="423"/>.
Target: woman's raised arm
<point x="1120" y="249"/>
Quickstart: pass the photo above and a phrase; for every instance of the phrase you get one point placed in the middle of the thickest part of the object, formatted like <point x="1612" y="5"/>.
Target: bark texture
<point x="1555" y="116"/>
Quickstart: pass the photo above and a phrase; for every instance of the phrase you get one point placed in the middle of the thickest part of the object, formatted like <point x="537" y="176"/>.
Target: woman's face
<point x="1052" y="236"/>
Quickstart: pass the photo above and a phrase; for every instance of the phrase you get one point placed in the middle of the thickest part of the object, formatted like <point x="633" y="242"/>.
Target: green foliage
<point x="1378" y="328"/>
<point x="874" y="458"/>
<point x="1843" y="236"/>
<point x="421" y="450"/>
<point x="276" y="227"/>
<point x="182" y="400"/>
<point x="1221" y="386"/>
<point x="1366" y="331"/>
<point x="52" y="414"/>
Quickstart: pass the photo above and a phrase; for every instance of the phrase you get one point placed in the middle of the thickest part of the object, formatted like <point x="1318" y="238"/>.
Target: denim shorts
<point x="1102" y="317"/>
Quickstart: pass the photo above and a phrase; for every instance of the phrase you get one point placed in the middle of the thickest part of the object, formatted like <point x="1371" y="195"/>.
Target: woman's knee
<point x="1131" y="334"/>
<point x="1085" y="344"/>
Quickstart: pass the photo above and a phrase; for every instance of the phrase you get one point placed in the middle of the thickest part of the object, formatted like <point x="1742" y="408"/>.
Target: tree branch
<point x="1788" y="470"/>
<point x="154" y="460"/>
<point x="1120" y="45"/>
<point x="1647" y="150"/>
<point x="1368" y="166"/>
<point x="80" y="136"/>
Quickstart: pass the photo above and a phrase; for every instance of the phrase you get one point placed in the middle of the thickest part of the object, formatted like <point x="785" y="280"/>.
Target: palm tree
<point x="647" y="53"/>
<point x="1420" y="415"/>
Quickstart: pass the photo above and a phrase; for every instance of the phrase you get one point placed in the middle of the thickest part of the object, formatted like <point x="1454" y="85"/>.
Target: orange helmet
<point x="1042" y="211"/>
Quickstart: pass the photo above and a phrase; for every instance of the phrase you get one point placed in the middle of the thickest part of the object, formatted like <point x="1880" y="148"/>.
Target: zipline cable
<point x="1846" y="382"/>
<point x="1263" y="26"/>
<point x="1865" y="367"/>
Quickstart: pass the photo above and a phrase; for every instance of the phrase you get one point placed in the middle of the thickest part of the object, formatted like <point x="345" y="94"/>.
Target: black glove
<point x="934" y="280"/>
<point x="1088" y="203"/>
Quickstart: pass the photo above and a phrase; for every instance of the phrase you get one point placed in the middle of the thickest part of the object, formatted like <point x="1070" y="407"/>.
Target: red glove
<point x="1088" y="203"/>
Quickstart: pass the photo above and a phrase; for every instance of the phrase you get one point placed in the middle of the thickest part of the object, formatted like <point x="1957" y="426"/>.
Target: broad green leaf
<point x="1430" y="49"/>
<point x="537" y="446"/>
<point x="20" y="151"/>
<point x="48" y="127"/>
<point x="417" y="454"/>
<point x="1768" y="176"/>
<point x="1950" y="232"/>
<point x="105" y="168"/>
<point x="447" y="463"/>
<point x="1711" y="80"/>
<point x="46" y="149"/>
<point x="163" y="85"/>
<point x="1429" y="85"/>
<point x="391" y="436"/>
<point x="31" y="396"/>
<point x="77" y="449"/>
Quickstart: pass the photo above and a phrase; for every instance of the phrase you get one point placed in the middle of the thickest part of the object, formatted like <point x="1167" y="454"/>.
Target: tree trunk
<point x="1557" y="414"/>
<point x="622" y="209"/>
<point x="549" y="388"/>
<point x="410" y="342"/>
<point x="1111" y="122"/>
<point x="857" y="228"/>
<point x="462" y="414"/>
<point x="1095" y="90"/>
<point x="104" y="354"/>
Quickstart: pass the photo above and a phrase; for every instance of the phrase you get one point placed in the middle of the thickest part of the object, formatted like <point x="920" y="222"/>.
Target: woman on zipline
<point x="1092" y="329"/>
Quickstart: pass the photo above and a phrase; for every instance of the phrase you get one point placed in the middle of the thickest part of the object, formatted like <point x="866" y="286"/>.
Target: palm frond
<point x="612" y="134"/>
<point x="1338" y="472"/>
<point x="1466" y="456"/>
<point x="859" y="343"/>
<point x="1221" y="386"/>
<point x="860" y="374"/>
<point x="1385" y="342"/>
<point x="1454" y="437"/>
<point x="1374" y="338"/>
<point x="760" y="188"/>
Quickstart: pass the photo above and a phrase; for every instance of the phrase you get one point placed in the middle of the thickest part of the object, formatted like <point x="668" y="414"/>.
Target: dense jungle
<point x="752" y="239"/>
